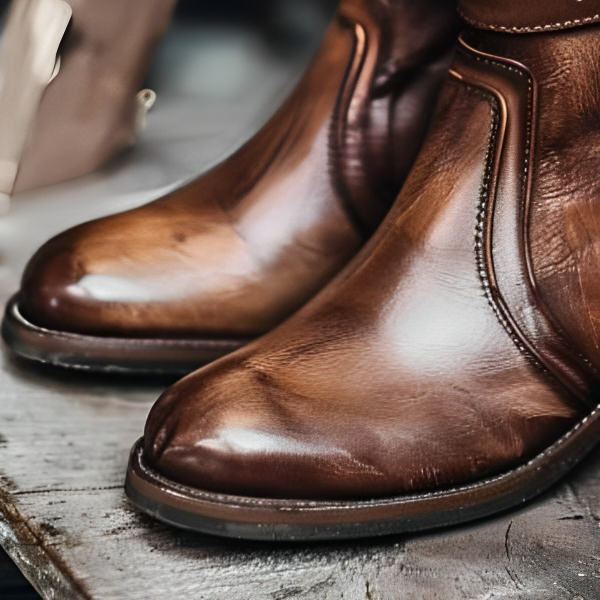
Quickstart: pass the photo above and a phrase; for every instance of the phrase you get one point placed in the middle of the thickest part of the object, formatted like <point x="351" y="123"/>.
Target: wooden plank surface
<point x="65" y="439"/>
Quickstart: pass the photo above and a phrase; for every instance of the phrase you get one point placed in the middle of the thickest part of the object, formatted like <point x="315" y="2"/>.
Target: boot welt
<point x="130" y="356"/>
<point x="301" y="520"/>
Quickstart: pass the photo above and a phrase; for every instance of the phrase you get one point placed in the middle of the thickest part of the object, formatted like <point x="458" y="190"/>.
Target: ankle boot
<point x="197" y="274"/>
<point x="451" y="371"/>
<point x="71" y="76"/>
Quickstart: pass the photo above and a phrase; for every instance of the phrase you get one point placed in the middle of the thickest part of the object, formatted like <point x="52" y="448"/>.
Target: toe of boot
<point x="51" y="295"/>
<point x="219" y="430"/>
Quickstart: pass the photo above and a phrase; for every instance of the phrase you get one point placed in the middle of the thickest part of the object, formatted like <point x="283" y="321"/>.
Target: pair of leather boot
<point x="449" y="371"/>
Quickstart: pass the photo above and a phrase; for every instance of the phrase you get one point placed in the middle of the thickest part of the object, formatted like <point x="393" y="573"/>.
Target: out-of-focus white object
<point x="61" y="118"/>
<point x="28" y="63"/>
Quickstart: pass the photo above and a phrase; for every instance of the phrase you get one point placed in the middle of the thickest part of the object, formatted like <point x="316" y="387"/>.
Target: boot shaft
<point x="555" y="185"/>
<point x="400" y="66"/>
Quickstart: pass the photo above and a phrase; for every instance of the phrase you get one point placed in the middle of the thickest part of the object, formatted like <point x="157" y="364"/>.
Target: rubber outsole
<point x="129" y="356"/>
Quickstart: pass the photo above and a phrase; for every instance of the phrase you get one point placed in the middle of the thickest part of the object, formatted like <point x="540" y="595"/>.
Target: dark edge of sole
<point x="296" y="520"/>
<point x="94" y="354"/>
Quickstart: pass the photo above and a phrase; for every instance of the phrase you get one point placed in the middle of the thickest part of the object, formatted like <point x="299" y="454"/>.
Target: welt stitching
<point x="529" y="29"/>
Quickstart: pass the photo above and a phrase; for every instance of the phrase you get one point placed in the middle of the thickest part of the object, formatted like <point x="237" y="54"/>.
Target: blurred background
<point x="219" y="49"/>
<point x="220" y="72"/>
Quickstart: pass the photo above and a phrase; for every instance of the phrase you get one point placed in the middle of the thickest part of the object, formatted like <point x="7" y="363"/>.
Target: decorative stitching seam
<point x="480" y="228"/>
<point x="526" y="173"/>
<point x="530" y="29"/>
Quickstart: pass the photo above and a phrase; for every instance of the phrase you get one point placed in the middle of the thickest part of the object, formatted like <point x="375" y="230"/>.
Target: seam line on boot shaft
<point x="534" y="29"/>
<point x="563" y="64"/>
<point x="510" y="16"/>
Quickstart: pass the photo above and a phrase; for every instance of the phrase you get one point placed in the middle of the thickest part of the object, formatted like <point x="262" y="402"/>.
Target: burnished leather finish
<point x="516" y="16"/>
<point x="89" y="112"/>
<point x="237" y="251"/>
<point x="403" y="51"/>
<point x="563" y="219"/>
<point x="460" y="343"/>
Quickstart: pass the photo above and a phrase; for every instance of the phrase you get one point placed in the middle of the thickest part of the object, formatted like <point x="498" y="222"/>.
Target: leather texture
<point x="89" y="112"/>
<point x="516" y="16"/>
<point x="237" y="251"/>
<point x="462" y="341"/>
<point x="563" y="216"/>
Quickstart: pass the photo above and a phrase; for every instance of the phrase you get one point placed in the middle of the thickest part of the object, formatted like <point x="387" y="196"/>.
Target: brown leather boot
<point x="451" y="371"/>
<point x="197" y="274"/>
<point x="71" y="76"/>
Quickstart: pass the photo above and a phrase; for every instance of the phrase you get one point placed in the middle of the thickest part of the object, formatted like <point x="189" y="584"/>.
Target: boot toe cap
<point x="220" y="431"/>
<point x="51" y="290"/>
<point x="88" y="281"/>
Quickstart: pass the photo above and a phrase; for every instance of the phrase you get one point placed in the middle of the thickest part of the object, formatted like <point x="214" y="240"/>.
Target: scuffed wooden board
<point x="65" y="439"/>
<point x="547" y="550"/>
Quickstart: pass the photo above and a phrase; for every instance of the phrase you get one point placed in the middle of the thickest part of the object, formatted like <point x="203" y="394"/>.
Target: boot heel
<point x="29" y="61"/>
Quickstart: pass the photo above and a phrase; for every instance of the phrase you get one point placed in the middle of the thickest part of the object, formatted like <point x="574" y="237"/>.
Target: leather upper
<point x="460" y="342"/>
<point x="242" y="247"/>
<point x="563" y="212"/>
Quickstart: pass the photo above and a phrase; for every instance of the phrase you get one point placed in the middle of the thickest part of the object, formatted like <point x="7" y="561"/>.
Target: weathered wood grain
<point x="64" y="443"/>
<point x="547" y="550"/>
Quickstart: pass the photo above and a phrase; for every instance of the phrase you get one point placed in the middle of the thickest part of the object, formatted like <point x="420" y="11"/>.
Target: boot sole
<point x="129" y="356"/>
<point x="266" y="519"/>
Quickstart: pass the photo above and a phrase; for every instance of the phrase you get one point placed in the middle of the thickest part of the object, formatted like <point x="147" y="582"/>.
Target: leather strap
<point x="529" y="16"/>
